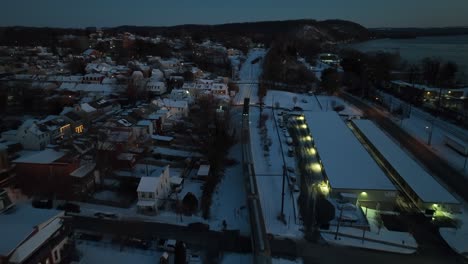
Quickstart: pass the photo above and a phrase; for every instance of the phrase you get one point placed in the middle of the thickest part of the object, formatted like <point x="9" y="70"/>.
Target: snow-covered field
<point x="250" y="72"/>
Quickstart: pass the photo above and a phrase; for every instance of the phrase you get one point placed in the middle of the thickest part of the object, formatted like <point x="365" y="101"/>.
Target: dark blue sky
<point x="103" y="13"/>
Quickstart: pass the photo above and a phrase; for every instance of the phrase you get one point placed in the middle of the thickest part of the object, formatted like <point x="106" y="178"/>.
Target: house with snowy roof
<point x="30" y="135"/>
<point x="31" y="235"/>
<point x="156" y="87"/>
<point x="177" y="108"/>
<point x="46" y="172"/>
<point x="153" y="191"/>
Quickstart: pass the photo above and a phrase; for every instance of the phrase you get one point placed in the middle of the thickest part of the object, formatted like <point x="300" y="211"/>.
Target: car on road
<point x="194" y="259"/>
<point x="292" y="177"/>
<point x="170" y="245"/>
<point x="304" y="101"/>
<point x="297" y="108"/>
<point x="198" y="226"/>
<point x="42" y="203"/>
<point x="69" y="207"/>
<point x="106" y="215"/>
<point x="296" y="188"/>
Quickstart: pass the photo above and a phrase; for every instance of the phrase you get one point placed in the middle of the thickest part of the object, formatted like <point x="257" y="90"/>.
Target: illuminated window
<point x="64" y="128"/>
<point x="79" y="129"/>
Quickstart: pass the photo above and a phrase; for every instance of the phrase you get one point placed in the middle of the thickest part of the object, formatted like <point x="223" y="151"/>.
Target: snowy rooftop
<point x="204" y="170"/>
<point x="34" y="242"/>
<point x="83" y="170"/>
<point x="423" y="184"/>
<point x="41" y="157"/>
<point x="162" y="138"/>
<point x="346" y="163"/>
<point x="17" y="223"/>
<point x="148" y="184"/>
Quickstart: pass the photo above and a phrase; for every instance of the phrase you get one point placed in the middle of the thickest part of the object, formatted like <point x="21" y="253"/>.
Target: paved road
<point x="436" y="165"/>
<point x="229" y="241"/>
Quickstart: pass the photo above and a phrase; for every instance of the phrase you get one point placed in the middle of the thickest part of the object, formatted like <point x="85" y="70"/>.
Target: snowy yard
<point x="229" y="200"/>
<point x="377" y="238"/>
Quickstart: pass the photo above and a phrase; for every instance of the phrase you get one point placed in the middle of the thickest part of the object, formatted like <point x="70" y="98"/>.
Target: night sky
<point x="105" y="13"/>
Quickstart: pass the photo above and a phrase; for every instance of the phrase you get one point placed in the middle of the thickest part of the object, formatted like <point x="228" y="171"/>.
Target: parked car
<point x="194" y="259"/>
<point x="42" y="203"/>
<point x="198" y="226"/>
<point x="304" y="101"/>
<point x="290" y="151"/>
<point x="161" y="243"/>
<point x="138" y="243"/>
<point x="69" y="207"/>
<point x="292" y="177"/>
<point x="290" y="169"/>
<point x="169" y="245"/>
<point x="296" y="188"/>
<point x="106" y="215"/>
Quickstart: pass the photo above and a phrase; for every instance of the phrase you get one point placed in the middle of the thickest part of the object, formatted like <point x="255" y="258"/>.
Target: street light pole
<point x="339" y="222"/>
<point x="429" y="138"/>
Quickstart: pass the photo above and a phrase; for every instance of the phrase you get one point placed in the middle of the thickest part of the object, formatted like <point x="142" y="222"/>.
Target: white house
<point x="152" y="191"/>
<point x="156" y="87"/>
<point x="203" y="87"/>
<point x="29" y="135"/>
<point x="176" y="108"/>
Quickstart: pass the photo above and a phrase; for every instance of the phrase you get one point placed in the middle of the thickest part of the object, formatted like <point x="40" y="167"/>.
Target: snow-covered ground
<point x="309" y="102"/>
<point x="392" y="241"/>
<point x="250" y="72"/>
<point x="419" y="124"/>
<point x="229" y="200"/>
<point x="457" y="238"/>
<point x="269" y="171"/>
<point x="98" y="252"/>
<point x="234" y="258"/>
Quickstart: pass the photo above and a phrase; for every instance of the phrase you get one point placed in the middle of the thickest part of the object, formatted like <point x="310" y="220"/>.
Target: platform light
<point x="311" y="151"/>
<point x="324" y="188"/>
<point x="303" y="126"/>
<point x="316" y="167"/>
<point x="300" y="118"/>
<point x="364" y="194"/>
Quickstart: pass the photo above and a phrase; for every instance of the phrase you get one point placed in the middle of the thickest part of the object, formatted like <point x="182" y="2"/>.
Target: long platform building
<point x="349" y="169"/>
<point x="411" y="178"/>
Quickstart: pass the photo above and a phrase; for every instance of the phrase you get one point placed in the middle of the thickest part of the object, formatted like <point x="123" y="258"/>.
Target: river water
<point x="447" y="48"/>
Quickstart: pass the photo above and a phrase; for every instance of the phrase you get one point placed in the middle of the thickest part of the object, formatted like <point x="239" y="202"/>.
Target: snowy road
<point x="250" y="73"/>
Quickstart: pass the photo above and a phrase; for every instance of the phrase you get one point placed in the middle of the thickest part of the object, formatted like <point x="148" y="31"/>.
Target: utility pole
<point x="339" y="222"/>
<point x="429" y="138"/>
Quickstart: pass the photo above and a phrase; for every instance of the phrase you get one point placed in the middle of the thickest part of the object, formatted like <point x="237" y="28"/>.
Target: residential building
<point x="34" y="236"/>
<point x="153" y="191"/>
